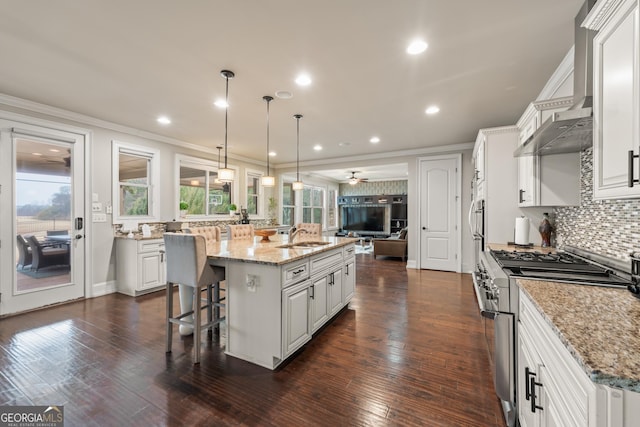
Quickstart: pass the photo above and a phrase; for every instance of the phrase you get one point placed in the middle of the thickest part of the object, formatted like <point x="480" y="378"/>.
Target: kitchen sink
<point x="307" y="244"/>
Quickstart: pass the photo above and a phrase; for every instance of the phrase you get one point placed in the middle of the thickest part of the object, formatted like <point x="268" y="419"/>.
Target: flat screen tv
<point x="363" y="218"/>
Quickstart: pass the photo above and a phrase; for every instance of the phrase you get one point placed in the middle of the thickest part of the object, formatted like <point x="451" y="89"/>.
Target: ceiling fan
<point x="353" y="180"/>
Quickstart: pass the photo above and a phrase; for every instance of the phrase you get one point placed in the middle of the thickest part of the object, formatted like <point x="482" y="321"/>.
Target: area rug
<point x="45" y="272"/>
<point x="364" y="249"/>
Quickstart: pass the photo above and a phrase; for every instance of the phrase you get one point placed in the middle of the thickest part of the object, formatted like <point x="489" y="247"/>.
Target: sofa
<point x="395" y="246"/>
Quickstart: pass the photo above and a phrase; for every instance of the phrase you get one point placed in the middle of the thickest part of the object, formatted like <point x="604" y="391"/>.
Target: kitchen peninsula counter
<point x="599" y="326"/>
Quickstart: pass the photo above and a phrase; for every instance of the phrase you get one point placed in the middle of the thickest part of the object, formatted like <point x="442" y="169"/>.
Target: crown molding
<point x="382" y="156"/>
<point x="600" y="14"/>
<point x="59" y="113"/>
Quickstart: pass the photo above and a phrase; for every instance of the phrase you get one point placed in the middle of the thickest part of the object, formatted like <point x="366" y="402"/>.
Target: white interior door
<point x="42" y="256"/>
<point x="439" y="214"/>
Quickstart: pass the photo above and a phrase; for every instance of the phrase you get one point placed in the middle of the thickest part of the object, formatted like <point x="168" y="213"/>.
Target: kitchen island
<point x="278" y="294"/>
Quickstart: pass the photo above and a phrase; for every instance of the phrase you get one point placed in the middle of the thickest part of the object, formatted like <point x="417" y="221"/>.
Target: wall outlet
<point x="96" y="207"/>
<point x="252" y="282"/>
<point x="99" y="217"/>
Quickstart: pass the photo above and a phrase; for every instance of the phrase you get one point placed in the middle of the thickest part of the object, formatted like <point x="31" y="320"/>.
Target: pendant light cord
<point x="268" y="99"/>
<point x="226" y="120"/>
<point x="298" y="116"/>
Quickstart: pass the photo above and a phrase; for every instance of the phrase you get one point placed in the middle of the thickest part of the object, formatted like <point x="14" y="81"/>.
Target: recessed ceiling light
<point x="164" y="120"/>
<point x="416" y="47"/>
<point x="195" y="182"/>
<point x="284" y="94"/>
<point x="432" y="110"/>
<point x="303" y="80"/>
<point x="221" y="103"/>
<point x="37" y="154"/>
<point x="54" y="150"/>
<point x="272" y="153"/>
<point x="374" y="140"/>
<point x="317" y="147"/>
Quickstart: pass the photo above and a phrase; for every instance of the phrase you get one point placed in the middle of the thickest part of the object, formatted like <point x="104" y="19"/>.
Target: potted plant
<point x="232" y="209"/>
<point x="183" y="208"/>
<point x="273" y="207"/>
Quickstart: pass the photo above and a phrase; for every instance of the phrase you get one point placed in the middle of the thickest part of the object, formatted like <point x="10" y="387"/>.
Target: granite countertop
<point x="138" y="236"/>
<point x="268" y="252"/>
<point x="599" y="326"/>
<point x="506" y="247"/>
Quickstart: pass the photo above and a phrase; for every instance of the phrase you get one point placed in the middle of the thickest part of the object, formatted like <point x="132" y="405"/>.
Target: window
<point x="135" y="190"/>
<point x="332" y="208"/>
<point x="312" y="204"/>
<point x="254" y="205"/>
<point x="288" y="204"/>
<point x="199" y="188"/>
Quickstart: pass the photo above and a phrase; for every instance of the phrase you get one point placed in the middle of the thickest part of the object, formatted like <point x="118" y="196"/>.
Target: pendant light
<point x="268" y="180"/>
<point x="225" y="174"/>
<point x="297" y="184"/>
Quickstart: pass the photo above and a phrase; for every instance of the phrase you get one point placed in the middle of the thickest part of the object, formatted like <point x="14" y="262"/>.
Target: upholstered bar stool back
<point x="212" y="235"/>
<point x="187" y="265"/>
<point x="310" y="229"/>
<point x="240" y="232"/>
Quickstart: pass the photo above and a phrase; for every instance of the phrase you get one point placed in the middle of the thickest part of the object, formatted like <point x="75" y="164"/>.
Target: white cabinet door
<point x="480" y="161"/>
<point x="616" y="103"/>
<point x="335" y="291"/>
<point x="526" y="181"/>
<point x="319" y="302"/>
<point x="528" y="367"/>
<point x="349" y="282"/>
<point x="295" y="307"/>
<point x="151" y="270"/>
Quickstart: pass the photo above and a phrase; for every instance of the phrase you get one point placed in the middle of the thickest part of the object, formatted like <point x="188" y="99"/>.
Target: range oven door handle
<point x="503" y="375"/>
<point x="471" y="225"/>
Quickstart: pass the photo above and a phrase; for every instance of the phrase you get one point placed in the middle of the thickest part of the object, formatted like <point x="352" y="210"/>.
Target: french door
<point x="42" y="251"/>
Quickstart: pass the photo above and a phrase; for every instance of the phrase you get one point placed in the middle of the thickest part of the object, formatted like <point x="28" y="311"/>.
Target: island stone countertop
<point x="269" y="252"/>
<point x="599" y="326"/>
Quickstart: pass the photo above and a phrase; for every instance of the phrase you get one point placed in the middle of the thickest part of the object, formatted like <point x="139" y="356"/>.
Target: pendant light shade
<point x="268" y="180"/>
<point x="297" y="184"/>
<point x="225" y="174"/>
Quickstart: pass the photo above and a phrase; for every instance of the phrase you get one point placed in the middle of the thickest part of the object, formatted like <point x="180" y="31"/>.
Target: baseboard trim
<point x="101" y="289"/>
<point x="411" y="264"/>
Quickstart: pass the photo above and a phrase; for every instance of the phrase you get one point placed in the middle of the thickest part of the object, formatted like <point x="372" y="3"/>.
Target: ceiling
<point x="128" y="62"/>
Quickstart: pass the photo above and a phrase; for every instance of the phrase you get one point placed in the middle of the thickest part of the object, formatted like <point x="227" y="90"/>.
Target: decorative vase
<point x="545" y="230"/>
<point x="183" y="213"/>
<point x="232" y="213"/>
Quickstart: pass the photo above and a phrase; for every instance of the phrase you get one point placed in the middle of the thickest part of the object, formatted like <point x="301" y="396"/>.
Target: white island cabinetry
<point x="616" y="96"/>
<point x="141" y="266"/>
<point x="273" y="310"/>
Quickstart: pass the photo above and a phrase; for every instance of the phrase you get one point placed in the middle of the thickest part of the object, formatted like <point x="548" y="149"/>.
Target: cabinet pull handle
<point x="630" y="180"/>
<point x="298" y="271"/>
<point x="347" y="267"/>
<point x="521" y="198"/>
<point x="527" y="389"/>
<point x="313" y="291"/>
<point x="533" y="385"/>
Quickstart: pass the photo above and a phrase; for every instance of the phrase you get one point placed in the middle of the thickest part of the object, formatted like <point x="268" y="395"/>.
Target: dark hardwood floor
<point x="409" y="350"/>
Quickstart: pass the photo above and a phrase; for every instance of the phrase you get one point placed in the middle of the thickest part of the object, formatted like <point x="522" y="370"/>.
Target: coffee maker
<point x="244" y="216"/>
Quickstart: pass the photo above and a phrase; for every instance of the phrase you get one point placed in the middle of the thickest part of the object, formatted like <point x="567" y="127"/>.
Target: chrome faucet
<point x="294" y="231"/>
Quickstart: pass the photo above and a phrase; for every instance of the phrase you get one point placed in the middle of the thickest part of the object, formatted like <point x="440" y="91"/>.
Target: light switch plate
<point x="99" y="217"/>
<point x="96" y="207"/>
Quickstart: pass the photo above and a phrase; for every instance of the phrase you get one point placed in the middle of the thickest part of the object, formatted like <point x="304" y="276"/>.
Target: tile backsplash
<point x="374" y="188"/>
<point x="606" y="227"/>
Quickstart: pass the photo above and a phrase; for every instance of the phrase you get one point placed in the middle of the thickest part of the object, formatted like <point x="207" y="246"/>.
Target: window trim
<point x="118" y="147"/>
<point x="322" y="206"/>
<point x="206" y="165"/>
<point x="249" y="174"/>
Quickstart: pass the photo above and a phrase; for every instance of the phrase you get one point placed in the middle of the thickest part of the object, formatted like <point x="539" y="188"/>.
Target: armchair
<point x="392" y="247"/>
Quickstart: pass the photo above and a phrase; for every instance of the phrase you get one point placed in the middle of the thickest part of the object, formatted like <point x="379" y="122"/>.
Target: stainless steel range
<point x="497" y="292"/>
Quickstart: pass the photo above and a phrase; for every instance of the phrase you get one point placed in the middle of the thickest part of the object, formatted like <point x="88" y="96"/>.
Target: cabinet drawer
<point x="150" y="245"/>
<point x="349" y="251"/>
<point x="294" y="273"/>
<point x="325" y="260"/>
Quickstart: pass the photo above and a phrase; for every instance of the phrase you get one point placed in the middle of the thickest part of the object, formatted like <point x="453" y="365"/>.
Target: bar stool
<point x="187" y="265"/>
<point x="211" y="235"/>
<point x="240" y="231"/>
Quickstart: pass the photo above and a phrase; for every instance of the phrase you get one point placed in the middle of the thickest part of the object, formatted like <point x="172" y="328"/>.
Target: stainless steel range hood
<point x="572" y="130"/>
